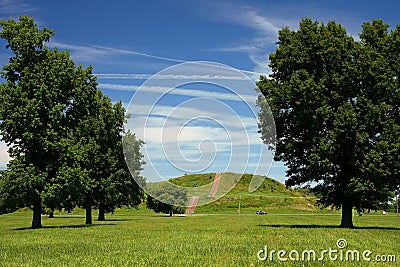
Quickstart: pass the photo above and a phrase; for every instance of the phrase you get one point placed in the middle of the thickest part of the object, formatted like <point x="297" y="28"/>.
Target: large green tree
<point x="64" y="134"/>
<point x="112" y="184"/>
<point x="165" y="197"/>
<point x="36" y="107"/>
<point x="123" y="186"/>
<point x="336" y="105"/>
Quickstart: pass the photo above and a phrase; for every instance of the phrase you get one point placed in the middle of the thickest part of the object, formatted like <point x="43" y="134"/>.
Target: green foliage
<point x="165" y="197"/>
<point x="133" y="157"/>
<point x="17" y="186"/>
<point x="64" y="135"/>
<point x="336" y="107"/>
<point x="121" y="184"/>
<point x="37" y="110"/>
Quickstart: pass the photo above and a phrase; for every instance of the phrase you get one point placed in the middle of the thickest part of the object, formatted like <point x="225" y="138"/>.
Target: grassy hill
<point x="271" y="195"/>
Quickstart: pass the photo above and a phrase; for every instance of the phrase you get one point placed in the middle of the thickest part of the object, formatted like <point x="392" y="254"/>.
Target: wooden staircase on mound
<point x="192" y="205"/>
<point x="193" y="202"/>
<point x="214" y="188"/>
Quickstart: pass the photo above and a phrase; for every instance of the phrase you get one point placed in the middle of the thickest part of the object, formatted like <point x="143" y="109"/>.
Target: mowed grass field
<point x="142" y="238"/>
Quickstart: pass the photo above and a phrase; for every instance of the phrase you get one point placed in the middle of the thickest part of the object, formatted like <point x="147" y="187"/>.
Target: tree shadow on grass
<point x="67" y="217"/>
<point x="63" y="226"/>
<point x="328" y="226"/>
<point x="167" y="216"/>
<point x="115" y="220"/>
<point x="83" y="216"/>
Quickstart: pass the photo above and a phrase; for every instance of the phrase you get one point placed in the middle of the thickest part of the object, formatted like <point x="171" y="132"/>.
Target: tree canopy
<point x="336" y="105"/>
<point x="36" y="105"/>
<point x="162" y="194"/>
<point x="64" y="135"/>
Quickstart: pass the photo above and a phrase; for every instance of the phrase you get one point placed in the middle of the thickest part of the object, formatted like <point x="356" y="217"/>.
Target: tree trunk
<point x="51" y="215"/>
<point x="102" y="212"/>
<point x="88" y="209"/>
<point x="347" y="215"/>
<point x="37" y="214"/>
<point x="170" y="213"/>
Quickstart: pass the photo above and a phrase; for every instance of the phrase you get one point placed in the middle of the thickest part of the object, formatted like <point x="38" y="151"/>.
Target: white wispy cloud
<point x="84" y="52"/>
<point x="96" y="53"/>
<point x="156" y="115"/>
<point x="237" y="48"/>
<point x="229" y="143"/>
<point x="250" y="17"/>
<point x="92" y="52"/>
<point x="179" y="91"/>
<point x="15" y="7"/>
<point x="131" y="52"/>
<point x="265" y="34"/>
<point x="202" y="134"/>
<point x="166" y="76"/>
<point x="84" y="49"/>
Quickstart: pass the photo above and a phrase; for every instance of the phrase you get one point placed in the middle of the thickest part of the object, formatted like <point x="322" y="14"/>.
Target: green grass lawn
<point x="142" y="238"/>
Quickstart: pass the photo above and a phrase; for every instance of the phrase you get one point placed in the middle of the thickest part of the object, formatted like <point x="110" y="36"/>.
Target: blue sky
<point x="197" y="120"/>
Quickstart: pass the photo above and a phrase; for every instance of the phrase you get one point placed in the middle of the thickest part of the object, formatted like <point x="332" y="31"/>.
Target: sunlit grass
<point x="142" y="238"/>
